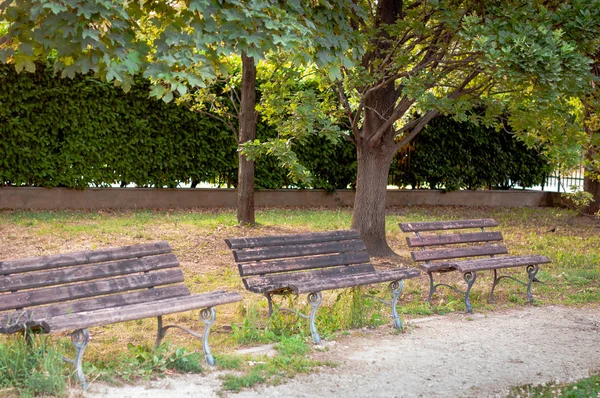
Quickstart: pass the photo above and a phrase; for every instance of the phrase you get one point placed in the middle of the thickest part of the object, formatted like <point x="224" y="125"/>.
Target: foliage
<point x="80" y="132"/>
<point x="144" y="362"/>
<point x="34" y="368"/>
<point x="291" y="359"/>
<point x="179" y="45"/>
<point x="588" y="387"/>
<point x="480" y="158"/>
<point x="579" y="199"/>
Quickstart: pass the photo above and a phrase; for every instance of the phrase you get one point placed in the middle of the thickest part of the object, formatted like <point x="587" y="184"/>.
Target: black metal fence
<point x="564" y="183"/>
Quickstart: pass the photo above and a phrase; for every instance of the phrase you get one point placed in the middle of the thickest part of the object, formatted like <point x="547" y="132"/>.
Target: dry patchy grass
<point x="197" y="237"/>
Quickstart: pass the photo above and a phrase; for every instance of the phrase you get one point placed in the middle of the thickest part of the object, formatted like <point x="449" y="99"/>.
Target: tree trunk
<point x="247" y="123"/>
<point x="591" y="183"/>
<point x="368" y="216"/>
<point x="375" y="154"/>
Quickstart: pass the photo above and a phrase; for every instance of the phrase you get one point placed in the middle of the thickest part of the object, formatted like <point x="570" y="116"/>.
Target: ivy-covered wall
<point x="81" y="132"/>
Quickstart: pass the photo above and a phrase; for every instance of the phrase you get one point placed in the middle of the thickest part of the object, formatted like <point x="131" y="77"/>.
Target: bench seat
<point x="498" y="262"/>
<point x="76" y="291"/>
<point x="316" y="281"/>
<point x="311" y="263"/>
<point x="446" y="248"/>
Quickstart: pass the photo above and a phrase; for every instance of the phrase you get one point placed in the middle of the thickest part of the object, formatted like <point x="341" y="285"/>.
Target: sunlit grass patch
<point x="291" y="359"/>
<point x="571" y="242"/>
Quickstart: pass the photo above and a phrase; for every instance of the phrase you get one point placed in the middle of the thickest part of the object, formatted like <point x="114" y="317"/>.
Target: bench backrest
<point x="434" y="246"/>
<point x="40" y="287"/>
<point x="258" y="256"/>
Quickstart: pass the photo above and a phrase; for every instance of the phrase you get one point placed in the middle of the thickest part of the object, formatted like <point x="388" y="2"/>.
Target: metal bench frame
<point x="76" y="291"/>
<point x="311" y="263"/>
<point x="473" y="245"/>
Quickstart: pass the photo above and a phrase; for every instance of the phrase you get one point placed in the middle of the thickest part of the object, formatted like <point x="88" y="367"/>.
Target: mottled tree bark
<point x="247" y="124"/>
<point x="591" y="182"/>
<point x="375" y="153"/>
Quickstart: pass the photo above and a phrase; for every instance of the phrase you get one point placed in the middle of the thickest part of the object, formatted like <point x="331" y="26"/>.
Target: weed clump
<point x="32" y="366"/>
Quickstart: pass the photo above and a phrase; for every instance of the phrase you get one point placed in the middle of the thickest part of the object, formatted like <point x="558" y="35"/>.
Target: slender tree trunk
<point x="591" y="183"/>
<point x="247" y="122"/>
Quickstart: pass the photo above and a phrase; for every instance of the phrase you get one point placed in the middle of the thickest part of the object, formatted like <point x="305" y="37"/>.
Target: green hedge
<point x="81" y="132"/>
<point x="452" y="155"/>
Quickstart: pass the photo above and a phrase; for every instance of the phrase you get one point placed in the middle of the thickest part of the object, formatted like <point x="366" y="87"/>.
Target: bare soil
<point x="456" y="355"/>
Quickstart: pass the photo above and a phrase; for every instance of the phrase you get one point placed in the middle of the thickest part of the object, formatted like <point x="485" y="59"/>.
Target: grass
<point x="141" y="362"/>
<point x="573" y="277"/>
<point x="585" y="388"/>
<point x="291" y="359"/>
<point x="33" y="368"/>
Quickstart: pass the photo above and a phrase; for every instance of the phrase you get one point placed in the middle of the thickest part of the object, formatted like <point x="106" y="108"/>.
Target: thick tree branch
<point x="419" y="125"/>
<point x="398" y="112"/>
<point x="422" y="122"/>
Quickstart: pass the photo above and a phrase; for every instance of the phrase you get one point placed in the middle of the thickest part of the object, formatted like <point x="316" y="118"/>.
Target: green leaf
<point x="24" y="62"/>
<point x="168" y="97"/>
<point x="157" y="91"/>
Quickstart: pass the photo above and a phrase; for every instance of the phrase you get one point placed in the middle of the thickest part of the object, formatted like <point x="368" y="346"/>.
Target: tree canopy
<point x="394" y="65"/>
<point x="179" y="43"/>
<point x="524" y="62"/>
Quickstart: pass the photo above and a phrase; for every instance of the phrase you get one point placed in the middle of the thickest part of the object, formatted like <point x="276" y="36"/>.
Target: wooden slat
<point x="445" y="225"/>
<point x="451" y="239"/>
<point x="394" y="274"/>
<point x="472" y="251"/>
<point x="86" y="272"/>
<point x="298" y="264"/>
<point x="298" y="250"/>
<point x="291" y="239"/>
<point x="263" y="284"/>
<point x="499" y="262"/>
<point x="439" y="266"/>
<point x="88" y="289"/>
<point x="345" y="281"/>
<point x="83" y="257"/>
<point x="38" y="314"/>
<point x="139" y="311"/>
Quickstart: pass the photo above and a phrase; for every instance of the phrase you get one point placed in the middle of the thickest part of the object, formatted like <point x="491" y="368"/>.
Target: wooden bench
<point x="75" y="291"/>
<point x="468" y="246"/>
<point x="310" y="263"/>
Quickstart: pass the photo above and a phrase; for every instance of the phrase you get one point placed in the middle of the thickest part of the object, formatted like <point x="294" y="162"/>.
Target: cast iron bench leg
<point x="314" y="299"/>
<point x="80" y="339"/>
<point x="396" y="289"/>
<point x="208" y="316"/>
<point x="432" y="287"/>
<point x="269" y="297"/>
<point x="470" y="278"/>
<point x="532" y="271"/>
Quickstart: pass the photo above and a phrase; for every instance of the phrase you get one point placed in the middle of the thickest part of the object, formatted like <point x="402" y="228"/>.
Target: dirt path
<point x="441" y="356"/>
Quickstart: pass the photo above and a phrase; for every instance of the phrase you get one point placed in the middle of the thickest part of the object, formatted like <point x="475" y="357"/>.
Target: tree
<point x="179" y="44"/>
<point x="591" y="182"/>
<point x="449" y="57"/>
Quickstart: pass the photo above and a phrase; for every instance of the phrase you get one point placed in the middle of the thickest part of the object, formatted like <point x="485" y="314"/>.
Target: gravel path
<point x="443" y="356"/>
